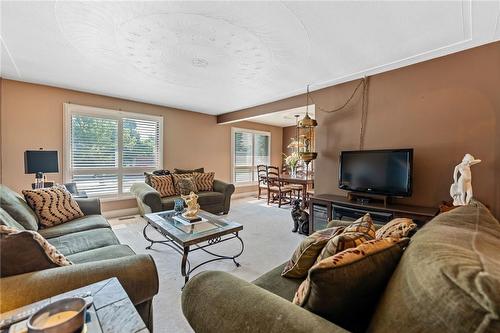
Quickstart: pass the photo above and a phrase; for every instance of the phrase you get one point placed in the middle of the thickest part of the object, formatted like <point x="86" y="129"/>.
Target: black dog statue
<point x="300" y="218"/>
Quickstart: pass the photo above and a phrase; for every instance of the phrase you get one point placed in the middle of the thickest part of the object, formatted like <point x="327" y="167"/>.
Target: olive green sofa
<point x="217" y="201"/>
<point x="448" y="280"/>
<point x="94" y="250"/>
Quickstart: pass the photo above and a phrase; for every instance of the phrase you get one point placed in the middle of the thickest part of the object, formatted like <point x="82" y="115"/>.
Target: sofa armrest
<point x="148" y="199"/>
<point x="89" y="206"/>
<point x="137" y="274"/>
<point x="227" y="190"/>
<point x="239" y="306"/>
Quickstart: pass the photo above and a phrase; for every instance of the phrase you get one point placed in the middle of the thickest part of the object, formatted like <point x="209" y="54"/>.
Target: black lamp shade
<point x="45" y="161"/>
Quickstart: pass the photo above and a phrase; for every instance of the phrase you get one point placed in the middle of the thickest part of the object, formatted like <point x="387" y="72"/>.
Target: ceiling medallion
<point x="199" y="62"/>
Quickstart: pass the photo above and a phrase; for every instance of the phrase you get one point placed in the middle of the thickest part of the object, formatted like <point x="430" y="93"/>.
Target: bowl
<point x="64" y="316"/>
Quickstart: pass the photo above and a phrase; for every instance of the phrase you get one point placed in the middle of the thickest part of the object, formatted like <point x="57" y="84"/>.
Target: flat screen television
<point x="45" y="161"/>
<point x="385" y="172"/>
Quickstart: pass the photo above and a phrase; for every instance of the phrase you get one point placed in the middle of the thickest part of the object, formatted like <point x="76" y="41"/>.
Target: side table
<point x="111" y="312"/>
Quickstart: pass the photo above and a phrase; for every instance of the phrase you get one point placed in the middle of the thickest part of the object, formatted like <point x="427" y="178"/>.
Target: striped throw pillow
<point x="204" y="181"/>
<point x="53" y="205"/>
<point x="163" y="184"/>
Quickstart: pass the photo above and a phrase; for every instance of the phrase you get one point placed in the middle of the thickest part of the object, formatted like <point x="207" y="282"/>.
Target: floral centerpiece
<point x="291" y="161"/>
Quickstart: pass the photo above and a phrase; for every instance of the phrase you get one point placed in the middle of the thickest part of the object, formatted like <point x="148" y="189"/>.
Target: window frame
<point x="70" y="109"/>
<point x="234" y="130"/>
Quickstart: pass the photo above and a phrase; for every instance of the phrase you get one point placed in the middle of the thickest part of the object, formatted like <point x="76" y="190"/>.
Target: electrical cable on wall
<point x="364" y="82"/>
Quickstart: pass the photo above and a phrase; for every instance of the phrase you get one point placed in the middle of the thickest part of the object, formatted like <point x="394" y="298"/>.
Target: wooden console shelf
<point x="325" y="207"/>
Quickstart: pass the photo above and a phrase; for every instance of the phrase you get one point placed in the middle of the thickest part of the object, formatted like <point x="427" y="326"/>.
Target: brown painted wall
<point x="32" y="117"/>
<point x="288" y="132"/>
<point x="443" y="108"/>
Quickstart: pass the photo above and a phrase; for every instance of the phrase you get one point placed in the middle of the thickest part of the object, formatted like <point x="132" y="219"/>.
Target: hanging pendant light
<point x="306" y="131"/>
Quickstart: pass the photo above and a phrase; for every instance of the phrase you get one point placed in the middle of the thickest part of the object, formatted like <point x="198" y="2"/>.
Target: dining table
<point x="305" y="181"/>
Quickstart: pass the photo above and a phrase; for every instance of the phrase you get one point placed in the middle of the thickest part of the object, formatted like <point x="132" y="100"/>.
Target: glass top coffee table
<point x="185" y="237"/>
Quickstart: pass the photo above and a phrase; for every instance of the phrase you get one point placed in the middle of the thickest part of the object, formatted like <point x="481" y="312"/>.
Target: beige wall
<point x="32" y="118"/>
<point x="443" y="108"/>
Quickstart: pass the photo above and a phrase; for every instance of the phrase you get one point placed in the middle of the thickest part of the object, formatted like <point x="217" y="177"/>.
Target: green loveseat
<point x="217" y="201"/>
<point x="448" y="280"/>
<point x="94" y="250"/>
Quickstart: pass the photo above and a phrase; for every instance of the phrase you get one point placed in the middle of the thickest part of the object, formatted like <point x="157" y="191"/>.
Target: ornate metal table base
<point x="184" y="251"/>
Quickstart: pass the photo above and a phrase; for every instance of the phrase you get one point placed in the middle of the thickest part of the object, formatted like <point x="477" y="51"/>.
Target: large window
<point x="249" y="149"/>
<point x="106" y="151"/>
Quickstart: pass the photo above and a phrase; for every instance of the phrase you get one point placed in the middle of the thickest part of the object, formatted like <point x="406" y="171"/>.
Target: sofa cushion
<point x="308" y="250"/>
<point x="83" y="223"/>
<point x="210" y="198"/>
<point x="84" y="240"/>
<point x="168" y="202"/>
<point x="345" y="288"/>
<point x="102" y="253"/>
<point x="399" y="227"/>
<point x="18" y="209"/>
<point x="53" y="205"/>
<point x="448" y="280"/>
<point x="24" y="251"/>
<point x="7" y="220"/>
<point x="273" y="281"/>
<point x="184" y="171"/>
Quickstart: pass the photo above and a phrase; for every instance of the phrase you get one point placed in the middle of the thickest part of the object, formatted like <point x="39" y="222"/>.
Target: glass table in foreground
<point x="185" y="237"/>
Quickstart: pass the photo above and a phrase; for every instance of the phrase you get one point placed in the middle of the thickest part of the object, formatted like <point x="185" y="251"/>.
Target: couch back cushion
<point x="23" y="251"/>
<point x="448" y="280"/>
<point x="18" y="209"/>
<point x="7" y="220"/>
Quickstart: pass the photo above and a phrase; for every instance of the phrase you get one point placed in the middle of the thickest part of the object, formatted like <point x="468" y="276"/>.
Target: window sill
<point x="115" y="198"/>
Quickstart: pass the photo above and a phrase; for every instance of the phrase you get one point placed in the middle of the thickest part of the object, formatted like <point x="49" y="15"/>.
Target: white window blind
<point x="250" y="148"/>
<point x="106" y="151"/>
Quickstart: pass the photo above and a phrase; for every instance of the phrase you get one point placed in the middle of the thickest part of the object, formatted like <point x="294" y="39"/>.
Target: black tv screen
<point x="40" y="161"/>
<point x="385" y="172"/>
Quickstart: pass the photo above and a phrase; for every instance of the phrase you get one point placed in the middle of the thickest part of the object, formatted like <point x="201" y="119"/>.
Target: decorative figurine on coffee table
<point x="178" y="206"/>
<point x="193" y="207"/>
<point x="461" y="189"/>
<point x="300" y="218"/>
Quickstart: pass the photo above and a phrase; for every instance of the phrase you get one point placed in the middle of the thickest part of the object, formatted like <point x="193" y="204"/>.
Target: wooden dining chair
<point x="276" y="189"/>
<point x="262" y="179"/>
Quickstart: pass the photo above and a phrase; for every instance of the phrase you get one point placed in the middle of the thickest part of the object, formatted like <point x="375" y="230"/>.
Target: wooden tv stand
<point x="326" y="207"/>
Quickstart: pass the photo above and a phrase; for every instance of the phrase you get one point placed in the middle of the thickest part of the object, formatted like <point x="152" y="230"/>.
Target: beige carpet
<point x="268" y="243"/>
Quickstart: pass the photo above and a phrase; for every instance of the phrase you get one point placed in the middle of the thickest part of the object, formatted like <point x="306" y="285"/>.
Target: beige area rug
<point x="268" y="242"/>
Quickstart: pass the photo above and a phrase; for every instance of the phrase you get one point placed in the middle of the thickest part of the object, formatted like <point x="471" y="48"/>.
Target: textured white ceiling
<point x="216" y="57"/>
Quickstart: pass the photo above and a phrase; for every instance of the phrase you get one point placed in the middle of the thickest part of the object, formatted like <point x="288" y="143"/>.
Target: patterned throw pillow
<point x="356" y="233"/>
<point x="397" y="228"/>
<point x="25" y="251"/>
<point x="176" y="177"/>
<point x="204" y="181"/>
<point x="53" y="205"/>
<point x="307" y="252"/>
<point x="343" y="242"/>
<point x="363" y="224"/>
<point x="163" y="184"/>
<point x="186" y="186"/>
<point x="346" y="287"/>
